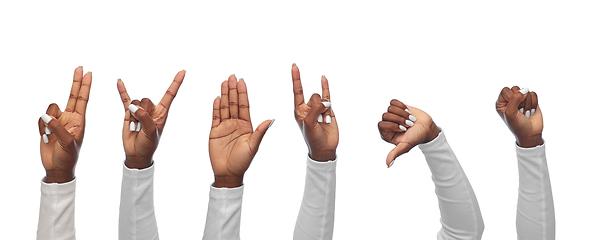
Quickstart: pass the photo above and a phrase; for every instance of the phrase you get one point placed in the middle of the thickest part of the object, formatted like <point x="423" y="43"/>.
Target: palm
<point x="54" y="155"/>
<point x="415" y="134"/>
<point x="229" y="147"/>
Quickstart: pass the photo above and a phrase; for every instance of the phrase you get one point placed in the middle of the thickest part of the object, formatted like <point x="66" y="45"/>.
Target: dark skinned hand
<point x="520" y="111"/>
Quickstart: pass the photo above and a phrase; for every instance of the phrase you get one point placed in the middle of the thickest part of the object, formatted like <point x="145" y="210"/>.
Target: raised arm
<point x="61" y="138"/>
<point x="232" y="146"/>
<point x="535" y="209"/>
<point x="407" y="127"/>
<point x="318" y="125"/>
<point x="143" y="125"/>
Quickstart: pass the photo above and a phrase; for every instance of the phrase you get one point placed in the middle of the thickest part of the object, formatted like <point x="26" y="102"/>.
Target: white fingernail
<point x="527" y="113"/>
<point x="392" y="163"/>
<point x="524" y="91"/>
<point x="138" y="127"/>
<point x="327" y="104"/>
<point x="402" y="128"/>
<point x="407" y="110"/>
<point x="47" y="131"/>
<point x="412" y="118"/>
<point x="532" y="112"/>
<point x="271" y="123"/>
<point x="522" y="110"/>
<point x="46" y="118"/>
<point x="320" y="118"/>
<point x="133" y="108"/>
<point x="409" y="123"/>
<point x="328" y="119"/>
<point x="132" y="126"/>
<point x="44" y="138"/>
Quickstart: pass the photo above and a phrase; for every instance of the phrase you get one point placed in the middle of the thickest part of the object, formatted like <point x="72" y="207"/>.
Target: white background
<point x="449" y="58"/>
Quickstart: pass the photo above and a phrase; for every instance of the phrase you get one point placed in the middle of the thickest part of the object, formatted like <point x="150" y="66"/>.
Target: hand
<point x="405" y="127"/>
<point x="316" y="120"/>
<point x="232" y="142"/>
<point x="144" y="123"/>
<point x="62" y="132"/>
<point x="520" y="111"/>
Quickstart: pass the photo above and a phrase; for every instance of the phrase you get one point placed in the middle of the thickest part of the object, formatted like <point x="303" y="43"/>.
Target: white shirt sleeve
<point x="223" y="214"/>
<point x="317" y="212"/>
<point x="56" y="218"/>
<point x="460" y="214"/>
<point x="137" y="220"/>
<point x="535" y="209"/>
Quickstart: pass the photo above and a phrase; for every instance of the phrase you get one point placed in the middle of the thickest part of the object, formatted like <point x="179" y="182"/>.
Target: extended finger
<point x="170" y="94"/>
<point x="400" y="149"/>
<point x="297" y="88"/>
<point x="71" y="102"/>
<point x="225" y="103"/>
<point x="124" y="96"/>
<point x="83" y="96"/>
<point x="233" y="96"/>
<point x="534" y="102"/>
<point x="243" y="101"/>
<point x="216" y="112"/>
<point x="326" y="94"/>
<point x="257" y="136"/>
<point x="148" y="105"/>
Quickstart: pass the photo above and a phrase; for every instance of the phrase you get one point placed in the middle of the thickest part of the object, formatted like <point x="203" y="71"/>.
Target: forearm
<point x="223" y="214"/>
<point x="460" y="214"/>
<point x="137" y="220"/>
<point x="535" y="210"/>
<point x="56" y="218"/>
<point x="317" y="212"/>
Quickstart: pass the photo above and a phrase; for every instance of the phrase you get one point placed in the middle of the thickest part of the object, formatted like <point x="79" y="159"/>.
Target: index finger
<point x="71" y="102"/>
<point x="83" y="96"/>
<point x="172" y="91"/>
<point x="505" y="95"/>
<point x="297" y="89"/>
<point x="325" y="88"/>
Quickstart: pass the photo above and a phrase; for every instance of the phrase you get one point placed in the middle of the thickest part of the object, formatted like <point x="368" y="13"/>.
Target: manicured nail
<point x="138" y="127"/>
<point x="133" y="108"/>
<point x="328" y="119"/>
<point x="407" y="110"/>
<point x="409" y="123"/>
<point x="80" y="67"/>
<point x="293" y="65"/>
<point x="524" y="91"/>
<point x="89" y="72"/>
<point x="132" y="126"/>
<point x="327" y="104"/>
<point x="46" y="118"/>
<point x="527" y="113"/>
<point x="522" y="110"/>
<point x="402" y="128"/>
<point x="412" y="118"/>
<point x="183" y="70"/>
<point x="271" y="123"/>
<point x="119" y="79"/>
<point x="240" y="79"/>
<point x="392" y="163"/>
<point x="532" y="112"/>
<point x="323" y="76"/>
<point x="320" y="118"/>
<point x="44" y="138"/>
<point x="47" y="131"/>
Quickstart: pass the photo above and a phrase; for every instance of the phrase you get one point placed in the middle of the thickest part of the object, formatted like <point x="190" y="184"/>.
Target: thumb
<point x="63" y="136"/>
<point x="257" y="136"/>
<point x="512" y="109"/>
<point x="147" y="124"/>
<point x="400" y="149"/>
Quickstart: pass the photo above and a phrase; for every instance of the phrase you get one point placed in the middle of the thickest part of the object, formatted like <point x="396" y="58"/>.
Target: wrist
<point x="323" y="156"/>
<point x="433" y="133"/>
<point x="228" y="181"/>
<point x="57" y="176"/>
<point x="531" y="141"/>
<point x="138" y="162"/>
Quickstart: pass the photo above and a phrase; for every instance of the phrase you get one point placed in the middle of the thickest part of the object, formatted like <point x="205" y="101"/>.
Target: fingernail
<point x="320" y="118"/>
<point x="271" y="123"/>
<point x="89" y="72"/>
<point x="527" y="113"/>
<point x="138" y="127"/>
<point x="392" y="163"/>
<point x="328" y="119"/>
<point x="522" y="110"/>
<point x="323" y="76"/>
<point x="133" y="108"/>
<point x="80" y="67"/>
<point x="524" y="91"/>
<point x="532" y="112"/>
<point x="327" y="104"/>
<point x="412" y="118"/>
<point x="407" y="110"/>
<point x="183" y="70"/>
<point x="402" y="128"/>
<point x="240" y="79"/>
<point x="293" y="65"/>
<point x="47" y="131"/>
<point x="119" y="79"/>
<point x="409" y="123"/>
<point x="44" y="138"/>
<point x="46" y="118"/>
<point x="132" y="126"/>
